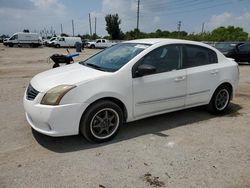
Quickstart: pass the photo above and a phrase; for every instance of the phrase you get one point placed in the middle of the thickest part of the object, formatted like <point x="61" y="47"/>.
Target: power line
<point x="192" y="10"/>
<point x="180" y="6"/>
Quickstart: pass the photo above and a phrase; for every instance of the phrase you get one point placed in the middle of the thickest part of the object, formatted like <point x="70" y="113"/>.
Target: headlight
<point x="54" y="95"/>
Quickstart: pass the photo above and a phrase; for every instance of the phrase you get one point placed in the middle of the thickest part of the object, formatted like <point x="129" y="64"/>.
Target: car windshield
<point x="113" y="58"/>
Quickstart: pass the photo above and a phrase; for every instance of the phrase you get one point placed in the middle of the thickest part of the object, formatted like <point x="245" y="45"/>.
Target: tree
<point x="112" y="26"/>
<point x="229" y="33"/>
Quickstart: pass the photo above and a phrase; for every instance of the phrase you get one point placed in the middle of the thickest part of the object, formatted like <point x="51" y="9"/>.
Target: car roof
<point x="152" y="41"/>
<point x="158" y="40"/>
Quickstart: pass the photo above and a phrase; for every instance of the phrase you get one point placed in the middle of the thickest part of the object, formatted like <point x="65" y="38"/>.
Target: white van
<point x="66" y="41"/>
<point x="20" y="39"/>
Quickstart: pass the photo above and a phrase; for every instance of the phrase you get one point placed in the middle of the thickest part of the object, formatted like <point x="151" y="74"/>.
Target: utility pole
<point x="73" y="28"/>
<point x="202" y="28"/>
<point x="61" y="28"/>
<point x="95" y="25"/>
<point x="138" y="15"/>
<point x="90" y="28"/>
<point x="179" y="28"/>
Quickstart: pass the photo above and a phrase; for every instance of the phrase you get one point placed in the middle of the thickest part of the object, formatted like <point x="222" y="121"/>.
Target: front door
<point x="163" y="90"/>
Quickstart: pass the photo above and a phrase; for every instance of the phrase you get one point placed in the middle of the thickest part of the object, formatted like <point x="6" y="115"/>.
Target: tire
<point x="11" y="45"/>
<point x="220" y="100"/>
<point x="57" y="46"/>
<point x="92" y="46"/>
<point x="101" y="122"/>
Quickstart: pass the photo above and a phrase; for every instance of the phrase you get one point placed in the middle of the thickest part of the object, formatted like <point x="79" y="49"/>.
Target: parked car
<point x="66" y="42"/>
<point x="22" y="38"/>
<point x="100" y="43"/>
<point x="225" y="46"/>
<point x="126" y="82"/>
<point x="50" y="41"/>
<point x="240" y="52"/>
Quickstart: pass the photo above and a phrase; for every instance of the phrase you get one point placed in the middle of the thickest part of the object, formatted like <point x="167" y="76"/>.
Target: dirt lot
<point x="190" y="148"/>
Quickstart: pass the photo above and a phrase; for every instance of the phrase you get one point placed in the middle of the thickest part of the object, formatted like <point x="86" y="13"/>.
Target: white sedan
<point x="126" y="82"/>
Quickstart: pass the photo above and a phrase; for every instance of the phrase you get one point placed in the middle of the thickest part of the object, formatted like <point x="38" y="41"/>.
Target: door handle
<point x="214" y="72"/>
<point x="180" y="78"/>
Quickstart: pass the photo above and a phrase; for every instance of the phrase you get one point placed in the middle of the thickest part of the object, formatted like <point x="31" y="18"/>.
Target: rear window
<point x="197" y="56"/>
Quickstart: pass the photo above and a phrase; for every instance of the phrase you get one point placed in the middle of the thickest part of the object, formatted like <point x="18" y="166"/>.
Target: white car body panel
<point x="142" y="97"/>
<point x="153" y="94"/>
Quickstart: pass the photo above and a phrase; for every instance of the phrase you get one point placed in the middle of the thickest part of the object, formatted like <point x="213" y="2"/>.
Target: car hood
<point x="73" y="74"/>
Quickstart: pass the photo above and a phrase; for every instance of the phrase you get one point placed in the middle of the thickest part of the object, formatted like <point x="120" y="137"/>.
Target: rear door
<point x="202" y="74"/>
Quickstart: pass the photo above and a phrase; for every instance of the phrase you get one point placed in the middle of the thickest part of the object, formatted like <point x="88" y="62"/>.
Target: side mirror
<point x="144" y="69"/>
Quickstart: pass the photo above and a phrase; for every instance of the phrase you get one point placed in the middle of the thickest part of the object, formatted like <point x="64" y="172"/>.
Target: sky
<point x="37" y="15"/>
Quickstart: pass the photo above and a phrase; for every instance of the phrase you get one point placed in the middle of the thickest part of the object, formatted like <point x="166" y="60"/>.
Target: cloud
<point x="227" y="18"/>
<point x="47" y="4"/>
<point x="15" y="17"/>
<point x="16" y="4"/>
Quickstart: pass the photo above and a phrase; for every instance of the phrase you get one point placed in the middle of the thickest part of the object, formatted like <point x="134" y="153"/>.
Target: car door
<point x="99" y="43"/>
<point x="165" y="89"/>
<point x="202" y="74"/>
<point x="62" y="42"/>
<point x="104" y="44"/>
<point x="244" y="52"/>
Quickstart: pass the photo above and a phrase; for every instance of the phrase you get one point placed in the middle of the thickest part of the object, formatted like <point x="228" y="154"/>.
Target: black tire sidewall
<point x="212" y="104"/>
<point x="88" y="115"/>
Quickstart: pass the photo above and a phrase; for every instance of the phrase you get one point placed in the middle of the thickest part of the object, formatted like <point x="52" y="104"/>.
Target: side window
<point x="14" y="37"/>
<point x="103" y="41"/>
<point x="244" y="47"/>
<point x="62" y="39"/>
<point x="166" y="58"/>
<point x="197" y="56"/>
<point x="98" y="41"/>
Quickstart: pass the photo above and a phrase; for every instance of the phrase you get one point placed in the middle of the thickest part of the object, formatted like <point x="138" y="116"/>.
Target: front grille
<point x="31" y="93"/>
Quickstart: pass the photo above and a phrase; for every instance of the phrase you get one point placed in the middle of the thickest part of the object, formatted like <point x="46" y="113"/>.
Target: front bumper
<point x="61" y="120"/>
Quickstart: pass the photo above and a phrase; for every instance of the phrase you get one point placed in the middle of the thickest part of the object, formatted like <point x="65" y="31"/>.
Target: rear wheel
<point x="11" y="45"/>
<point x="101" y="121"/>
<point x="57" y="45"/>
<point x="220" y="100"/>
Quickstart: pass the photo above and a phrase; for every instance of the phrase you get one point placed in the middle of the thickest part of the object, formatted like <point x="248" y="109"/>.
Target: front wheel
<point x="101" y="121"/>
<point x="220" y="100"/>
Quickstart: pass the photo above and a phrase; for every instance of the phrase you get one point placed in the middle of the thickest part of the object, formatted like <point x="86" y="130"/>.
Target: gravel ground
<point x="189" y="148"/>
